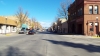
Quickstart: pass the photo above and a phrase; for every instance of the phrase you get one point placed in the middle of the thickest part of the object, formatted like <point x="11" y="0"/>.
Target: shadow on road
<point x="89" y="48"/>
<point x="59" y="33"/>
<point x="12" y="51"/>
<point x="46" y="33"/>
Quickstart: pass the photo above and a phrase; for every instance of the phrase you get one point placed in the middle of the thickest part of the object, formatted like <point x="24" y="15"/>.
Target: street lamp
<point x="96" y="24"/>
<point x="5" y="24"/>
<point x="58" y="29"/>
<point x="97" y="19"/>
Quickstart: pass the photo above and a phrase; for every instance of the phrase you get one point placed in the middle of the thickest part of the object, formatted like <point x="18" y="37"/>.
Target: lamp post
<point x="97" y="20"/>
<point x="97" y="26"/>
<point x="5" y="24"/>
<point x="58" y="29"/>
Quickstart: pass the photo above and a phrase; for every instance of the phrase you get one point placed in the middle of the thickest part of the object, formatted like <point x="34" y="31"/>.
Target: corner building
<point x="84" y="17"/>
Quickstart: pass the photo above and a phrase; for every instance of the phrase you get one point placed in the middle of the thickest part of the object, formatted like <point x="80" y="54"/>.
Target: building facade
<point x="54" y="27"/>
<point x="64" y="27"/>
<point x="84" y="17"/>
<point x="60" y="26"/>
<point x="7" y="25"/>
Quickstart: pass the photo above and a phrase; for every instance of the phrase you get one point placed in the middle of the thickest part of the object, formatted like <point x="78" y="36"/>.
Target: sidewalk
<point x="8" y="35"/>
<point x="80" y="36"/>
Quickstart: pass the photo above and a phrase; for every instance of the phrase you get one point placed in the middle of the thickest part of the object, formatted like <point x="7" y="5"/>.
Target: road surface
<point x="48" y="44"/>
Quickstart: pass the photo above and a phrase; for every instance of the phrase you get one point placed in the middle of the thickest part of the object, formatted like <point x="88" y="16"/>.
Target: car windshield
<point x="31" y="31"/>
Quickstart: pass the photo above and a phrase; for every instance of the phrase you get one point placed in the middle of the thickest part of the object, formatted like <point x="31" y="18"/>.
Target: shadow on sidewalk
<point x="89" y="48"/>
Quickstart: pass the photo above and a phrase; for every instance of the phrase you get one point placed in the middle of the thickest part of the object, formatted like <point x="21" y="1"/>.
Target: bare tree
<point x="22" y="17"/>
<point x="62" y="12"/>
<point x="33" y="22"/>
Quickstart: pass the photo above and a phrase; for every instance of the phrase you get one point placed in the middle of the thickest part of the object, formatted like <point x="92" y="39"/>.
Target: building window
<point x="90" y="9"/>
<point x="80" y="12"/>
<point x="96" y="9"/>
<point x="75" y="13"/>
<point x="0" y="26"/>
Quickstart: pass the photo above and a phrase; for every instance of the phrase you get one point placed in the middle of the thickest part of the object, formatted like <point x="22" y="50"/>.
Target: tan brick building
<point x="28" y="21"/>
<point x="84" y="17"/>
<point x="54" y="27"/>
<point x="60" y="26"/>
<point x="7" y="25"/>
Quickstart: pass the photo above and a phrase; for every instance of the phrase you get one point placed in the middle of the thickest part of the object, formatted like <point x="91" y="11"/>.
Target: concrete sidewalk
<point x="8" y="35"/>
<point x="80" y="36"/>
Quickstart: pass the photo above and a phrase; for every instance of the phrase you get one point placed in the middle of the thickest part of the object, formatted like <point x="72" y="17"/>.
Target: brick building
<point x="60" y="26"/>
<point x="7" y="25"/>
<point x="83" y="17"/>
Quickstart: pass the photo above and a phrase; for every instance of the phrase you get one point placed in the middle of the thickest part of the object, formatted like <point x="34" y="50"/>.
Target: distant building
<point x="54" y="27"/>
<point x="62" y="26"/>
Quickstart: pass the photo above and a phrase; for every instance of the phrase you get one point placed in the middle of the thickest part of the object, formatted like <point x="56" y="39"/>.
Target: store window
<point x="0" y="26"/>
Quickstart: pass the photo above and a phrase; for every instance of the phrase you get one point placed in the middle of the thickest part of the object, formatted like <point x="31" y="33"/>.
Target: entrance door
<point x="73" y="28"/>
<point x="79" y="28"/>
<point x="97" y="29"/>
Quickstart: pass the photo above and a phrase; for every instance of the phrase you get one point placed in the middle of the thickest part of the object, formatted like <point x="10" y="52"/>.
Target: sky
<point x="44" y="11"/>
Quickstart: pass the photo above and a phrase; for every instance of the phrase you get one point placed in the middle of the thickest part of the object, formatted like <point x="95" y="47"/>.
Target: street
<point x="48" y="44"/>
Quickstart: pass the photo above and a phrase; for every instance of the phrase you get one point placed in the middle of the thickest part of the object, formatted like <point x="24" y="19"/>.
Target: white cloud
<point x="2" y="2"/>
<point x="45" y="24"/>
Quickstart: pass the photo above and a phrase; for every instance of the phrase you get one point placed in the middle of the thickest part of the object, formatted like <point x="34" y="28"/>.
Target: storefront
<point x="7" y="25"/>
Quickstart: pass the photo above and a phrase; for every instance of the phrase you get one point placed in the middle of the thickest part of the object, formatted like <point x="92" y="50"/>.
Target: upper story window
<point x="80" y="12"/>
<point x="75" y="13"/>
<point x="95" y="9"/>
<point x="90" y="9"/>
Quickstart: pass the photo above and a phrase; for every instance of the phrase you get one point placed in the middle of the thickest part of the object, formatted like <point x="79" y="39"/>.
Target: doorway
<point x="79" y="29"/>
<point x="73" y="28"/>
<point x="97" y="29"/>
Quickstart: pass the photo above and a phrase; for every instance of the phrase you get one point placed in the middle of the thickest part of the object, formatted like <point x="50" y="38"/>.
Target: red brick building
<point x="84" y="17"/>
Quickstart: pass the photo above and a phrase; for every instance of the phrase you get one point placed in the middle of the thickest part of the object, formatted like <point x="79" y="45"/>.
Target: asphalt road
<point x="47" y="44"/>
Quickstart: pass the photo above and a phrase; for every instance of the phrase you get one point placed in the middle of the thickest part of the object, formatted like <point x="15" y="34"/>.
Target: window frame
<point x="91" y="9"/>
<point x="97" y="9"/>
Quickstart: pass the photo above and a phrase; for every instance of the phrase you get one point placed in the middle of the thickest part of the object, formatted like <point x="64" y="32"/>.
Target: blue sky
<point x="44" y="11"/>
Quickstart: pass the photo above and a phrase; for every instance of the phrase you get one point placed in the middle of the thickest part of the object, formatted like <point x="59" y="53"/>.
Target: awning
<point x="24" y="26"/>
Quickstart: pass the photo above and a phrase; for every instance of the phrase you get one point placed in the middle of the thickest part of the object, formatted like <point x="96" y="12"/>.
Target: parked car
<point x="21" y="32"/>
<point x="31" y="32"/>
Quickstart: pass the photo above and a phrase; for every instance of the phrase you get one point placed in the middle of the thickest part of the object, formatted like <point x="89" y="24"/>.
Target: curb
<point x="77" y="36"/>
<point x="8" y="34"/>
<point x="95" y="37"/>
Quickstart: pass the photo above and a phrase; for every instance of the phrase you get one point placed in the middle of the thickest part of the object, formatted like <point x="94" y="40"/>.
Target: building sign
<point x="91" y="26"/>
<point x="96" y="24"/>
